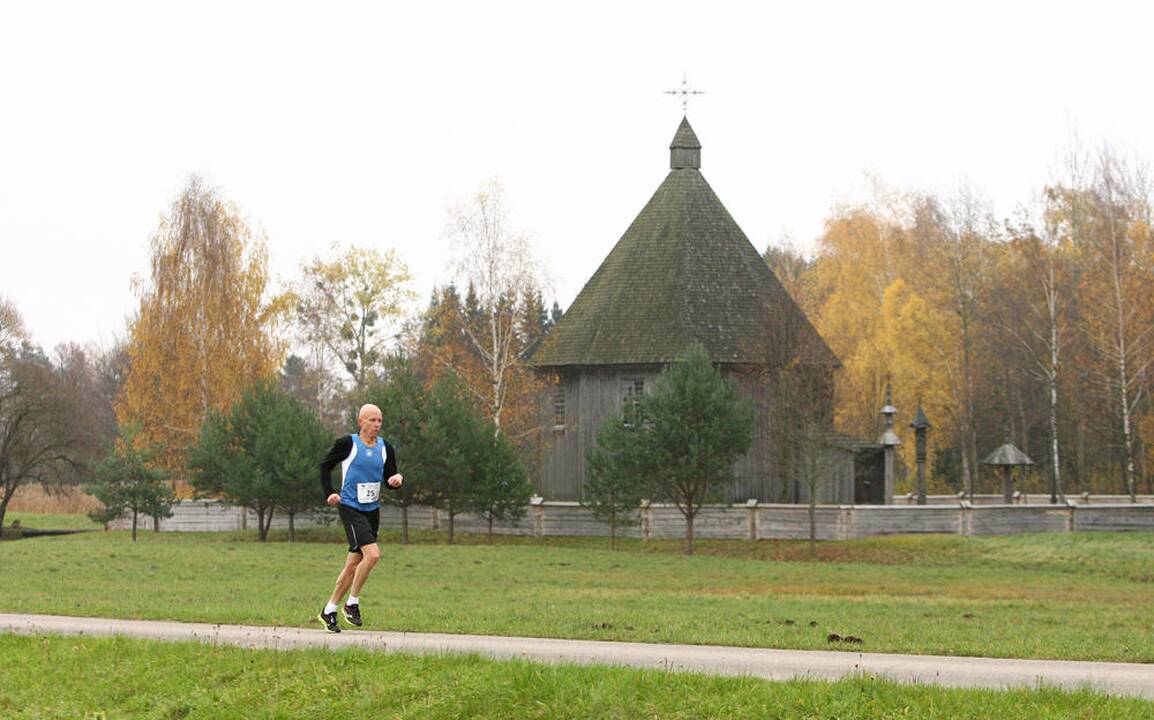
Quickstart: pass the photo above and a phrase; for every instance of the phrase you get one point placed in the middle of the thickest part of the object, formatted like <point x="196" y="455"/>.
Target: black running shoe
<point x="329" y="620"/>
<point x="353" y="614"/>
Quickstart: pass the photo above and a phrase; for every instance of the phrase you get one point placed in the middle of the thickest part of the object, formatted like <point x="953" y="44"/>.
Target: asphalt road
<point x="1127" y="679"/>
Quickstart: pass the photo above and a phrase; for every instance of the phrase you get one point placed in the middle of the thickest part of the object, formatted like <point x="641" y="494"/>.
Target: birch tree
<point x="859" y="260"/>
<point x="497" y="264"/>
<point x="795" y="272"/>
<point x="1118" y="283"/>
<point x="205" y="327"/>
<point x="956" y="242"/>
<point x="1036" y="286"/>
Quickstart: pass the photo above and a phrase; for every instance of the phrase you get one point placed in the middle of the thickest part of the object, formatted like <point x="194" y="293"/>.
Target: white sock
<point x="330" y="608"/>
<point x="354" y="600"/>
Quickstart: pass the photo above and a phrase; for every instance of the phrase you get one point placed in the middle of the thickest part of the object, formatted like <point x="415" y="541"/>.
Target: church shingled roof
<point x="685" y="137"/>
<point x="682" y="272"/>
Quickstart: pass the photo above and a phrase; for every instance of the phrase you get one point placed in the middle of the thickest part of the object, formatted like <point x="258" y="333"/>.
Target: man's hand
<point x="333" y="499"/>
<point x="396" y="480"/>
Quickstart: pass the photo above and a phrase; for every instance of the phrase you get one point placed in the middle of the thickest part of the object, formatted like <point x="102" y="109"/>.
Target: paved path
<point x="1131" y="679"/>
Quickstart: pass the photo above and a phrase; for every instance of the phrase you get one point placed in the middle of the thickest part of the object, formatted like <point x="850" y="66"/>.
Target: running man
<point x="366" y="460"/>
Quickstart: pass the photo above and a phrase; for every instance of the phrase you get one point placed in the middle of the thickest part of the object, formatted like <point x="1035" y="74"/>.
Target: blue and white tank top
<point x="361" y="475"/>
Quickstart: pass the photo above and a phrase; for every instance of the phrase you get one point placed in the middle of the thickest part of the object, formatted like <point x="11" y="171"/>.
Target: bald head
<point x="369" y="422"/>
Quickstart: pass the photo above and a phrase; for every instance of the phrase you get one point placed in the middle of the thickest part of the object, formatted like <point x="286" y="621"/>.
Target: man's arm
<point x="390" y="465"/>
<point x="340" y="450"/>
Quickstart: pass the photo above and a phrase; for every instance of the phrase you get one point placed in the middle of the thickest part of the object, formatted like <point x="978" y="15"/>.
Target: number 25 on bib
<point x="368" y="492"/>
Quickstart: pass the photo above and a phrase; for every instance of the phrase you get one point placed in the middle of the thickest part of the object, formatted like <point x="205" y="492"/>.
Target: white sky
<point x="362" y="123"/>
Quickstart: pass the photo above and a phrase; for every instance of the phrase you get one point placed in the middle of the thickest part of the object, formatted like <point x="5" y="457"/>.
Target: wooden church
<point x="684" y="272"/>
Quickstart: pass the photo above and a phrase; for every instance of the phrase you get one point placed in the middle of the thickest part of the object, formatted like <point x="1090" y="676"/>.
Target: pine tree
<point x="617" y="479"/>
<point x="128" y="479"/>
<point x="262" y="455"/>
<point x="449" y="451"/>
<point x="686" y="436"/>
<point x="502" y="490"/>
<point x="404" y="405"/>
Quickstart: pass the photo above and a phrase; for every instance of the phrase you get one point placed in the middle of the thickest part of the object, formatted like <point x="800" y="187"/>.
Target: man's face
<point x="370" y="423"/>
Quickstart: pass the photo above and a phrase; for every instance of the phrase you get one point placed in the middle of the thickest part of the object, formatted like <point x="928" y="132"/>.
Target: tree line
<point x="215" y="358"/>
<point x="1036" y="329"/>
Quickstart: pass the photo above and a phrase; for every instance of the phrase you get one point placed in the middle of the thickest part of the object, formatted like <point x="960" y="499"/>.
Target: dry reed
<point x="67" y="499"/>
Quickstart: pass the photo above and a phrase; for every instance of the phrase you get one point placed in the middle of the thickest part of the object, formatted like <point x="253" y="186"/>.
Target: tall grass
<point x="63" y="499"/>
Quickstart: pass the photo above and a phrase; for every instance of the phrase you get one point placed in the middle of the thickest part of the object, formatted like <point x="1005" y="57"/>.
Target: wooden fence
<point x="752" y="520"/>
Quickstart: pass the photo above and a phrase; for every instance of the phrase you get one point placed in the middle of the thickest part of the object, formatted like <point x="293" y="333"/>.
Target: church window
<point x="632" y="390"/>
<point x="559" y="408"/>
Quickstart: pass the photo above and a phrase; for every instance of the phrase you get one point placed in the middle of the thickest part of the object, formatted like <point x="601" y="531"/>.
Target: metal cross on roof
<point x="685" y="92"/>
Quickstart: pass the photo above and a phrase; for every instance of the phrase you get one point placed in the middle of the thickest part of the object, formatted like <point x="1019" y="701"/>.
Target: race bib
<point x="368" y="492"/>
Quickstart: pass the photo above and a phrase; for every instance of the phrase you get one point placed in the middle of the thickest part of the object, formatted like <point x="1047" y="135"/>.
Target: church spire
<point x="685" y="150"/>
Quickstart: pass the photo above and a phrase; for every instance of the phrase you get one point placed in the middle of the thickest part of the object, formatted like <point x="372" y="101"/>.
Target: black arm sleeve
<point x="340" y="450"/>
<point x="390" y="465"/>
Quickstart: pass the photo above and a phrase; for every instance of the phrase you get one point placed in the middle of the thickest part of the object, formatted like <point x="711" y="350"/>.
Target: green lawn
<point x="84" y="677"/>
<point x="1084" y="596"/>
<point x="41" y="521"/>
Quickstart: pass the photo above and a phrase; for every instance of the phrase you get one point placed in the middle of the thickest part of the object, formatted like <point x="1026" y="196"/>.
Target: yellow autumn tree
<point x="857" y="262"/>
<point x="888" y="323"/>
<point x="204" y="331"/>
<point x="950" y="246"/>
<point x="918" y="340"/>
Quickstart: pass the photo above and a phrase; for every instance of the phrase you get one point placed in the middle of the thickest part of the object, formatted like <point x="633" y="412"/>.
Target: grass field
<point x="44" y="521"/>
<point x="120" y="678"/>
<point x="1083" y="596"/>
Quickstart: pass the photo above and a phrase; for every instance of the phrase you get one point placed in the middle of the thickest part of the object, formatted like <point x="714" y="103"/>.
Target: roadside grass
<point x="85" y="677"/>
<point x="1085" y="597"/>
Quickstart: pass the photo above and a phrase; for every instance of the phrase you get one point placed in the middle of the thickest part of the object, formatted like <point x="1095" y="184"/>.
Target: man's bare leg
<point x="371" y="554"/>
<point x="345" y="579"/>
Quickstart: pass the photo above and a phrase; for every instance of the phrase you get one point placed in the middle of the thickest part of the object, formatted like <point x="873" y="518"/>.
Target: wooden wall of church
<point x="592" y="394"/>
<point x="756" y="471"/>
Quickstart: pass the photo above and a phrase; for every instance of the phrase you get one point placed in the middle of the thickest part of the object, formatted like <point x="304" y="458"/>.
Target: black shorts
<point x="360" y="526"/>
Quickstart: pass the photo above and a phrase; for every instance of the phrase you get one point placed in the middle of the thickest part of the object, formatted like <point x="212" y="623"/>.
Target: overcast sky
<point x="361" y="123"/>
